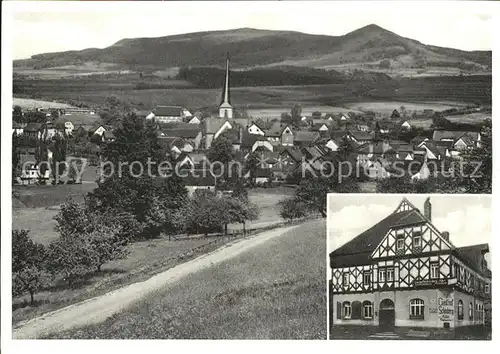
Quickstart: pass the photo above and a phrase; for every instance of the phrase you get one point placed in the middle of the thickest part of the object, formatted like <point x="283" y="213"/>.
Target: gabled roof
<point x="276" y="130"/>
<point x="109" y="134"/>
<point x="474" y="256"/>
<point x="248" y="140"/>
<point x="294" y="153"/>
<point x="359" y="249"/>
<point x="453" y="135"/>
<point x="168" y="111"/>
<point x="33" y="127"/>
<point x="182" y="133"/>
<point x="212" y="125"/>
<point x="359" y="135"/>
<point x="306" y="136"/>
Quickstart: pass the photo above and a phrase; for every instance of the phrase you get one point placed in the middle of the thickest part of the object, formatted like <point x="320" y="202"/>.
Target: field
<point x="423" y="92"/>
<point x="385" y="108"/>
<point x="278" y="290"/>
<point x="27" y="103"/>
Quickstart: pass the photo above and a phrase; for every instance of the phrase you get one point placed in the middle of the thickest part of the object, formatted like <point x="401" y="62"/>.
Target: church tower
<point x="225" y="108"/>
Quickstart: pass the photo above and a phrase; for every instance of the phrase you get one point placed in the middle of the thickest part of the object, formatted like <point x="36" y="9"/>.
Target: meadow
<point x="276" y="291"/>
<point x="419" y="93"/>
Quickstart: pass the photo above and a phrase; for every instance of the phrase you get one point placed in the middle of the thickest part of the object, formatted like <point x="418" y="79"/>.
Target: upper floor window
<point x="456" y="270"/>
<point x="435" y="270"/>
<point x="367" y="278"/>
<point x="381" y="275"/>
<point x="345" y="278"/>
<point x="390" y="274"/>
<point x="417" y="239"/>
<point x="400" y="240"/>
<point x="460" y="310"/>
<point x="417" y="307"/>
<point x="486" y="288"/>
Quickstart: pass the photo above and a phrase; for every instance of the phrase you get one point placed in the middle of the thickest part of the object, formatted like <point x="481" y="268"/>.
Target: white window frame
<point x="417" y="235"/>
<point x="391" y="272"/>
<point x="400" y="236"/>
<point x="369" y="307"/>
<point x="381" y="275"/>
<point x="417" y="308"/>
<point x="487" y="288"/>
<point x="369" y="275"/>
<point x="344" y="282"/>
<point x="347" y="310"/>
<point x="434" y="268"/>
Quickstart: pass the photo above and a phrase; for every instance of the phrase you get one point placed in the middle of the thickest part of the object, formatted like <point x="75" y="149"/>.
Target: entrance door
<point x="387" y="314"/>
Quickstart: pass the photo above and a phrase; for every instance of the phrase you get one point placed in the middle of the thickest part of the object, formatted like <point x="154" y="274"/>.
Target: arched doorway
<point x="387" y="314"/>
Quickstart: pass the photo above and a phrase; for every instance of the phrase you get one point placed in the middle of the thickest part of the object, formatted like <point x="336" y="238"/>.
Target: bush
<point x="292" y="208"/>
<point x="28" y="259"/>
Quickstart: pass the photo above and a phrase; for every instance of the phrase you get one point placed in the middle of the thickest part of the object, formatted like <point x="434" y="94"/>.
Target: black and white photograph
<point x="169" y="165"/>
<point x="410" y="266"/>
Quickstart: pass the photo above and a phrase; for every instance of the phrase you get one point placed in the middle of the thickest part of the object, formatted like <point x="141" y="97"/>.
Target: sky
<point x="41" y="27"/>
<point x="468" y="218"/>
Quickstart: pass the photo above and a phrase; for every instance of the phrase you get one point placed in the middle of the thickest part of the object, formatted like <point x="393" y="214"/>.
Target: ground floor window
<point x="367" y="309"/>
<point x="460" y="310"/>
<point x="347" y="309"/>
<point x="471" y="311"/>
<point x="417" y="307"/>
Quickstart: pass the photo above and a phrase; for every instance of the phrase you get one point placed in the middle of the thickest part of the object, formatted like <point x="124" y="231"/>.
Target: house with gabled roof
<point x="169" y="114"/>
<point x="405" y="272"/>
<point x="305" y="138"/>
<point x="212" y="128"/>
<point x="255" y="129"/>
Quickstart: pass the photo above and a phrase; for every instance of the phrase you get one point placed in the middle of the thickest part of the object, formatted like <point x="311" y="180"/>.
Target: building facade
<point x="404" y="272"/>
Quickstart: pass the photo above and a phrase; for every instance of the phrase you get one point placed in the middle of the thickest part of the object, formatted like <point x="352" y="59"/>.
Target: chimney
<point x="428" y="209"/>
<point x="446" y="235"/>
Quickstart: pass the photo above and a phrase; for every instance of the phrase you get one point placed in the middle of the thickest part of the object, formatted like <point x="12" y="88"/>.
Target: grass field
<point x="278" y="290"/>
<point x="386" y="107"/>
<point x="94" y="90"/>
<point x="26" y="103"/>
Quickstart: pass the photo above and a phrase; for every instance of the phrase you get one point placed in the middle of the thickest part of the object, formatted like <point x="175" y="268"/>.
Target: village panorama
<point x="180" y="183"/>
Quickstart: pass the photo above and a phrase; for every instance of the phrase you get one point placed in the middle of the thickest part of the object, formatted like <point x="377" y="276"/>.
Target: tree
<point x="312" y="192"/>
<point x="291" y="208"/>
<point x="203" y="213"/>
<point x="384" y="64"/>
<point x="95" y="237"/>
<point x="28" y="260"/>
<point x="395" y="114"/>
<point x="346" y="147"/>
<point x="17" y="114"/>
<point x="113" y="111"/>
<point x="16" y="158"/>
<point x="251" y="165"/>
<point x="286" y="118"/>
<point x="58" y="146"/>
<point x="316" y="114"/>
<point x="54" y="114"/>
<point x="221" y="151"/>
<point x="296" y="114"/>
<point x="75" y="168"/>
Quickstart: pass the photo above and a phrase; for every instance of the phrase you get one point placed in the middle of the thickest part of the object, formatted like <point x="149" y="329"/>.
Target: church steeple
<point x="225" y="108"/>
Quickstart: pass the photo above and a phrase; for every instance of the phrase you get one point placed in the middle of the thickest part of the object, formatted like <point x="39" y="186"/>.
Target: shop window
<point x="417" y="307"/>
<point x="346" y="310"/>
<point x="367" y="310"/>
<point x="434" y="270"/>
<point x="460" y="310"/>
<point x="471" y="311"/>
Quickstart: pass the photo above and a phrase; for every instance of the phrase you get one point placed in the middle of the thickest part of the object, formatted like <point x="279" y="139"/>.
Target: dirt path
<point x="98" y="309"/>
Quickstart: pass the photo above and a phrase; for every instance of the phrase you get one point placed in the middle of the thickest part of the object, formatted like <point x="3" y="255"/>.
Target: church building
<point x="225" y="108"/>
<point x="404" y="272"/>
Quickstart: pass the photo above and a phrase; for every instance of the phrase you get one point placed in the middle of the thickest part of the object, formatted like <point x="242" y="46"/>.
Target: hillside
<point x="363" y="48"/>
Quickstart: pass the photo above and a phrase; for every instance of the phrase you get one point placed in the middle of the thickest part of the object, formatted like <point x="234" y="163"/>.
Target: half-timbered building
<point x="405" y="272"/>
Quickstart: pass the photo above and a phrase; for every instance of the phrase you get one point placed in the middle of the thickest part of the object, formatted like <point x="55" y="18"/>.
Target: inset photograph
<point x="409" y="266"/>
